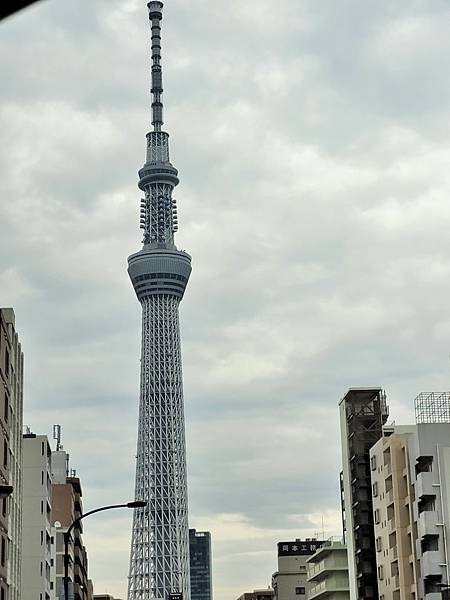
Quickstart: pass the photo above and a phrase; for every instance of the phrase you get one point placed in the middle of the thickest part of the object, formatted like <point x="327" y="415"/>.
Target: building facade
<point x="411" y="492"/>
<point x="11" y="411"/>
<point x="327" y="572"/>
<point x="200" y="564"/>
<point x="392" y="494"/>
<point x="66" y="507"/>
<point x="290" y="581"/>
<point x="266" y="594"/>
<point x="159" y="557"/>
<point x="363" y="412"/>
<point x="429" y="457"/>
<point x="38" y="548"/>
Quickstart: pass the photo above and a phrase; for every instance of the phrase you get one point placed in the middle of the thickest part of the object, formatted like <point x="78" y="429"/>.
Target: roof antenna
<point x="57" y="437"/>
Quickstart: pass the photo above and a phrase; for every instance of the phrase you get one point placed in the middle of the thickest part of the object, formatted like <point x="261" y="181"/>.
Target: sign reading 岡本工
<point x="299" y="547"/>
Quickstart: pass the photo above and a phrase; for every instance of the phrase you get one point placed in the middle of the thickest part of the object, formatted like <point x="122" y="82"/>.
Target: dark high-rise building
<point x="363" y="412"/>
<point x="159" y="558"/>
<point x="200" y="564"/>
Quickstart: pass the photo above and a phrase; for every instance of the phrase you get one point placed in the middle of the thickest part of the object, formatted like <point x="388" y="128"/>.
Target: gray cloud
<point x="313" y="154"/>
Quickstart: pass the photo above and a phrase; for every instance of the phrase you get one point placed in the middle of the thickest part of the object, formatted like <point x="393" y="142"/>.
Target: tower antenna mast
<point x="159" y="272"/>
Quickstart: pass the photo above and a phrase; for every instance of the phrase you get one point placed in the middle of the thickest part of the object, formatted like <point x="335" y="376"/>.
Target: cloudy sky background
<point x="312" y="144"/>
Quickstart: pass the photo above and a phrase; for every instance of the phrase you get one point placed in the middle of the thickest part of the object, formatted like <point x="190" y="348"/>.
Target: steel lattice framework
<point x="159" y="558"/>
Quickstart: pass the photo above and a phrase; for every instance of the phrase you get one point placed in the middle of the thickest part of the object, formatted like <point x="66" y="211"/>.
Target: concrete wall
<point x="11" y="413"/>
<point x="38" y="551"/>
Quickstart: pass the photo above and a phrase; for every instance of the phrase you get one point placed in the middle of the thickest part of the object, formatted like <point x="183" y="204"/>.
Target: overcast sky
<point x="312" y="141"/>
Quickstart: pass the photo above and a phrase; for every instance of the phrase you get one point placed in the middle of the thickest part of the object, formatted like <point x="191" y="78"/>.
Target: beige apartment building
<point x="327" y="572"/>
<point x="11" y="411"/>
<point x="395" y="531"/>
<point x="410" y="470"/>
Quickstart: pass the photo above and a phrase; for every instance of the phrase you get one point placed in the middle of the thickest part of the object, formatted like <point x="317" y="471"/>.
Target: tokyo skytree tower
<point x="159" y="557"/>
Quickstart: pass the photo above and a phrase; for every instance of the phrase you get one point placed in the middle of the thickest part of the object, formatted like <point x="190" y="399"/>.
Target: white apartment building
<point x="290" y="582"/>
<point x="327" y="572"/>
<point x="38" y="547"/>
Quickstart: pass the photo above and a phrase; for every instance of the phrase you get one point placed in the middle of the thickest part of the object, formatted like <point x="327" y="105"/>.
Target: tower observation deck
<point x="159" y="557"/>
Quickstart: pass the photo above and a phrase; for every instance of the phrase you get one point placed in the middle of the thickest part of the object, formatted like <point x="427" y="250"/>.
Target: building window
<point x="6" y="408"/>
<point x="375" y="489"/>
<point x="376" y="516"/>
<point x="6" y="363"/>
<point x="5" y="454"/>
<point x="378" y="544"/>
<point x="373" y="462"/>
<point x="3" y="552"/>
<point x="300" y="591"/>
<point x="380" y="572"/>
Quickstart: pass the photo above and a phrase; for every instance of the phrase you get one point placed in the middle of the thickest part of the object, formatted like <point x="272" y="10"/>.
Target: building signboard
<point x="298" y="548"/>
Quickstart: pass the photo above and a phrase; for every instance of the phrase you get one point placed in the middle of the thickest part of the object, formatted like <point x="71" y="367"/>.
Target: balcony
<point x="427" y="523"/>
<point x="327" y="587"/>
<point x="326" y="566"/>
<point x="391" y="525"/>
<point x="430" y="563"/>
<point x="424" y="484"/>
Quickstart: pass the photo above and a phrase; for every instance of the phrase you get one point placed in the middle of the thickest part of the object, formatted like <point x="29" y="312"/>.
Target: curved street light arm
<point x="135" y="504"/>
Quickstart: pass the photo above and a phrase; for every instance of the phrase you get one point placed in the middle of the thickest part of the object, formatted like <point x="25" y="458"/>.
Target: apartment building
<point x="327" y="572"/>
<point x="429" y="452"/>
<point x="392" y="496"/>
<point x="66" y="507"/>
<point x="264" y="594"/>
<point x="290" y="581"/>
<point x="11" y="411"/>
<point x="410" y="468"/>
<point x="38" y="547"/>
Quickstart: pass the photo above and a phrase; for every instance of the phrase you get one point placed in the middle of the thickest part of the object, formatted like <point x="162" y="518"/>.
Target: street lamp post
<point x="135" y="504"/>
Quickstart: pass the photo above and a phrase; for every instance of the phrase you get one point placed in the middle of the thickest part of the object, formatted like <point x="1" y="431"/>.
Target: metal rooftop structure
<point x="432" y="407"/>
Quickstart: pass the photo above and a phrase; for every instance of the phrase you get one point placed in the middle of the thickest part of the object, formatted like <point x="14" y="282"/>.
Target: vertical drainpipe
<point x="444" y="532"/>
